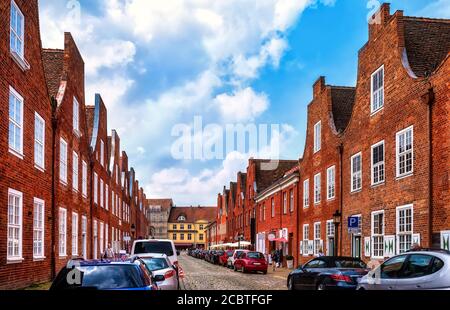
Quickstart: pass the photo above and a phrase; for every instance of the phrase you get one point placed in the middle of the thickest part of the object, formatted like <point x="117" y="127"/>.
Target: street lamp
<point x="337" y="216"/>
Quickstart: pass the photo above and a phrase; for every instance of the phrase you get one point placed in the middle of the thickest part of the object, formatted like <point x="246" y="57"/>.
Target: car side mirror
<point x="158" y="278"/>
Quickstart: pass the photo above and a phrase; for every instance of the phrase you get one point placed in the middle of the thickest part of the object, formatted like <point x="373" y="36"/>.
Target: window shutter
<point x="310" y="247"/>
<point x="389" y="246"/>
<point x="445" y="240"/>
<point x="415" y="239"/>
<point x="301" y="247"/>
<point x="367" y="247"/>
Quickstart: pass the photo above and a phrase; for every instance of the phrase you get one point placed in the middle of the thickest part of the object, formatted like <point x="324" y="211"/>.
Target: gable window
<point x="378" y="234"/>
<point x="74" y="234"/>
<point x="404" y="152"/>
<point x="331" y="182"/>
<point x="404" y="228"/>
<point x="76" y="116"/>
<point x="39" y="140"/>
<point x="377" y="90"/>
<point x="15" y="201"/>
<point x="38" y="228"/>
<point x="102" y="152"/>
<point x="291" y="203"/>
<point x="317" y="188"/>
<point x="75" y="172"/>
<point x="84" y="178"/>
<point x="306" y="194"/>
<point x="273" y="207"/>
<point x="317" y="241"/>
<point x="62" y="232"/>
<point x="285" y="207"/>
<point x="378" y="163"/>
<point x="63" y="161"/>
<point x="15" y="122"/>
<point x="17" y="30"/>
<point x="95" y="188"/>
<point x="317" y="137"/>
<point x="356" y="169"/>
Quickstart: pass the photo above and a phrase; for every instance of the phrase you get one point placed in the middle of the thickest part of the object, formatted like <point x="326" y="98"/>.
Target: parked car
<point x="251" y="262"/>
<point x="216" y="257"/>
<point x="232" y="258"/>
<point x="415" y="270"/>
<point x="209" y="256"/>
<point x="223" y="259"/>
<point x="162" y="270"/>
<point x="328" y="272"/>
<point x="161" y="246"/>
<point x="104" y="275"/>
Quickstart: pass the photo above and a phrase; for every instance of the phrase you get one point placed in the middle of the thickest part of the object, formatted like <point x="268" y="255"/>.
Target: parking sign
<point x="353" y="224"/>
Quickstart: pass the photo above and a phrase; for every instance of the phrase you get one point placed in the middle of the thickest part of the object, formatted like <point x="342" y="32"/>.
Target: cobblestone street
<point x="201" y="275"/>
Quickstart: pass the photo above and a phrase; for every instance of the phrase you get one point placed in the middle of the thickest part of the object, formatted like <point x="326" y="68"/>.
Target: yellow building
<point x="187" y="226"/>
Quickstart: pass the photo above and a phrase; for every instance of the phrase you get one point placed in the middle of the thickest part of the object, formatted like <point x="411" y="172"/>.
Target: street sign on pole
<point x="353" y="224"/>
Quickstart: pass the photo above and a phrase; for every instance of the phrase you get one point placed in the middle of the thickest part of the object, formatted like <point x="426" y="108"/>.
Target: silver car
<point x="164" y="273"/>
<point x="415" y="270"/>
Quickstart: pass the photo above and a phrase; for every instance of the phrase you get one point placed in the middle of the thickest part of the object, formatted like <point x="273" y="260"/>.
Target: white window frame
<point x="95" y="239"/>
<point x="305" y="239"/>
<point x="291" y="200"/>
<point x="306" y="194"/>
<point x="102" y="153"/>
<point x="272" y="207"/>
<point x="400" y="232"/>
<point x="84" y="236"/>
<point x="13" y="31"/>
<point x="12" y="241"/>
<point x="331" y="182"/>
<point x="357" y="174"/>
<point x="317" y="237"/>
<point x="375" y="109"/>
<point x="317" y="137"/>
<point x="62" y="232"/>
<point x="76" y="116"/>
<point x="84" y="178"/>
<point x="38" y="228"/>
<point x="102" y="237"/>
<point x="285" y="202"/>
<point x="378" y="235"/>
<point x="18" y="99"/>
<point x="95" y="188"/>
<point x="113" y="206"/>
<point x="75" y="165"/>
<point x="106" y="236"/>
<point x="317" y="188"/>
<point x="398" y="154"/>
<point x="102" y="184"/>
<point x="63" y="161"/>
<point x="106" y="197"/>
<point x="39" y="143"/>
<point x="377" y="166"/>
<point x="74" y="234"/>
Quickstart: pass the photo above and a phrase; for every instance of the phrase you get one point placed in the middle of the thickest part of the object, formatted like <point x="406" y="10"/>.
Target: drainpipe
<point x="54" y="105"/>
<point x="341" y="200"/>
<point x="297" y="254"/>
<point x="91" y="199"/>
<point x="430" y="102"/>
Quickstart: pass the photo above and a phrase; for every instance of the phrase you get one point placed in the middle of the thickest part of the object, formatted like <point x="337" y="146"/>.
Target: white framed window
<point x="84" y="236"/>
<point x="102" y="234"/>
<point x="95" y="188"/>
<point x="76" y="116"/>
<point x="15" y="139"/>
<point x="330" y="229"/>
<point x="317" y="136"/>
<point x="15" y="225"/>
<point x="84" y="178"/>
<point x="405" y="227"/>
<point x="38" y="228"/>
<point x="356" y="170"/>
<point x="378" y="234"/>
<point x="317" y="238"/>
<point x="305" y="239"/>
<point x="306" y="194"/>
<point x="113" y="206"/>
<point x="377" y="155"/>
<point x="291" y="202"/>
<point x="75" y="171"/>
<point x="377" y="90"/>
<point x="95" y="237"/>
<point x="264" y="213"/>
<point x="17" y="29"/>
<point x="273" y="207"/>
<point x="404" y="152"/>
<point x="102" y="153"/>
<point x="62" y="232"/>
<point x="106" y="197"/>
<point x="317" y="196"/>
<point x="331" y="182"/>
<point x="101" y="193"/>
<point x="106" y="235"/>
<point x="63" y="161"/>
<point x="39" y="141"/>
<point x="75" y="234"/>
<point x="285" y="202"/>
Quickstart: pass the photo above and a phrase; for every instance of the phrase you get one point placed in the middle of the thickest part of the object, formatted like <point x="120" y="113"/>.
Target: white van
<point x="157" y="246"/>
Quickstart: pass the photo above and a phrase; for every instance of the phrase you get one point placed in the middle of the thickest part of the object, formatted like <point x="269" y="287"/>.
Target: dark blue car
<point x="328" y="272"/>
<point x="104" y="275"/>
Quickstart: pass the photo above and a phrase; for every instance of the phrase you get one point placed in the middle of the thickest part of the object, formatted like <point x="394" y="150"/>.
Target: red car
<point x="251" y="261"/>
<point x="223" y="259"/>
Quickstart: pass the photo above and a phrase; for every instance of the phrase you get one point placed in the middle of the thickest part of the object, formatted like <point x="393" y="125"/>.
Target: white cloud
<point x="243" y="105"/>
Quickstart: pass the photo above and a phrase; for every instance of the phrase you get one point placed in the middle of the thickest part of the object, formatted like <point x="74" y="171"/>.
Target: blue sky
<point x="161" y="63"/>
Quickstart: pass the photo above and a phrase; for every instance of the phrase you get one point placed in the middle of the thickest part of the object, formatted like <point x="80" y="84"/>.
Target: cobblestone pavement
<point x="201" y="275"/>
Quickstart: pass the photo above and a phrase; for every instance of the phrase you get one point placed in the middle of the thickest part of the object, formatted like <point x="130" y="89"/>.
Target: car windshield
<point x="220" y="253"/>
<point x="155" y="263"/>
<point x="154" y="247"/>
<point x="104" y="277"/>
<point x="350" y="263"/>
<point x="229" y="253"/>
<point x="255" y="255"/>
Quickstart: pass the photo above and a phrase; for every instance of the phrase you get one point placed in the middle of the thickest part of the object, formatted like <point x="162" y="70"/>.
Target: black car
<point x="328" y="272"/>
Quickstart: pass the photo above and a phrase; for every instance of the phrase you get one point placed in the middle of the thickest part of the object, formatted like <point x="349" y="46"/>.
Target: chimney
<point x="378" y="20"/>
<point x="319" y="86"/>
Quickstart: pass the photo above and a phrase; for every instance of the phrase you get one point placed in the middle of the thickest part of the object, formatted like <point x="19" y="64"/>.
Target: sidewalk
<point x="279" y="273"/>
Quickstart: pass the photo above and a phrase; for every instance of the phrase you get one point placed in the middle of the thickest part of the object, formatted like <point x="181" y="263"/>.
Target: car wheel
<point x="243" y="269"/>
<point x="290" y="284"/>
<point x="321" y="287"/>
<point x="265" y="272"/>
<point x="234" y="268"/>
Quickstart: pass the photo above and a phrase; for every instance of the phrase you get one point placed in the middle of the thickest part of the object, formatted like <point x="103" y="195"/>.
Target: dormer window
<point x="377" y="90"/>
<point x="317" y="136"/>
<point x="181" y="218"/>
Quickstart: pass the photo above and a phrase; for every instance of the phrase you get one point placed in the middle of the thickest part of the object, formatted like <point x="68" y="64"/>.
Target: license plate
<point x="257" y="264"/>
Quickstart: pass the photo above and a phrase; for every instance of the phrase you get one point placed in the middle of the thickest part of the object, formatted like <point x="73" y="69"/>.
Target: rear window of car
<point x="229" y="253"/>
<point x="106" y="277"/>
<point x="159" y="247"/>
<point x="255" y="255"/>
<point x="220" y="252"/>
<point x="350" y="263"/>
<point x="155" y="263"/>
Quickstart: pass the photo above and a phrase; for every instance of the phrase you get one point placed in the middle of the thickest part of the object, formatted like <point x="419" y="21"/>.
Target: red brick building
<point x="25" y="150"/>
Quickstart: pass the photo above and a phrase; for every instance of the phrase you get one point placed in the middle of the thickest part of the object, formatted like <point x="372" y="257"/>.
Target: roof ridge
<point x="427" y="19"/>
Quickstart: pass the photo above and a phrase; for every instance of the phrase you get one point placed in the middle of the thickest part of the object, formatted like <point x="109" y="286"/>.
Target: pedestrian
<point x="279" y="257"/>
<point x="274" y="259"/>
<point x="109" y="253"/>
<point x="321" y="252"/>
